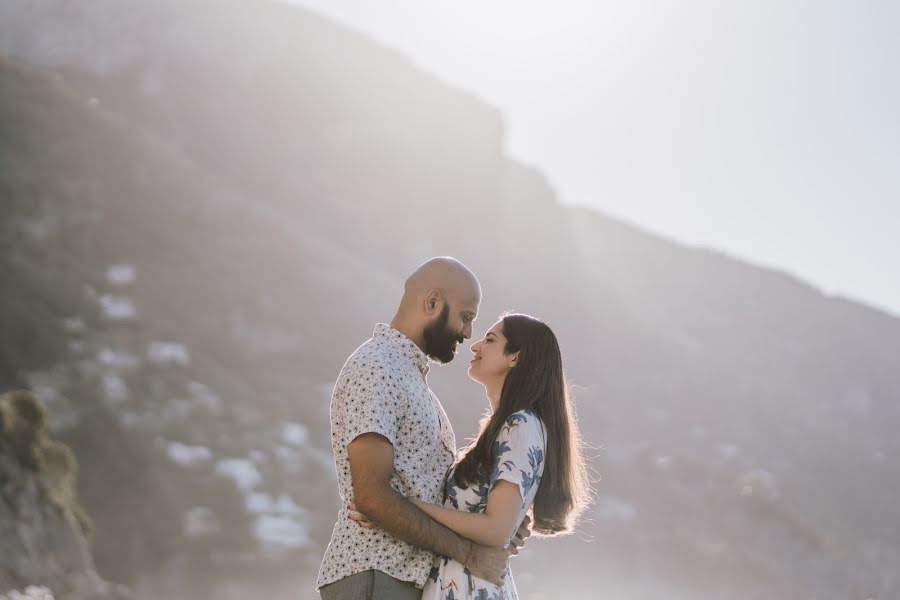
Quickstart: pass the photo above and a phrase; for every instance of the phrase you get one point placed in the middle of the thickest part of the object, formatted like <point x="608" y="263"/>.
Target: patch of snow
<point x="728" y="451"/>
<point x="205" y="398"/>
<point x="663" y="462"/>
<point x="47" y="393"/>
<point x="121" y="274"/>
<point x="295" y="434"/>
<point x="294" y="460"/>
<point x="759" y="483"/>
<point x="240" y="470"/>
<point x="260" y="503"/>
<point x="698" y="432"/>
<point x="117" y="308"/>
<point x="74" y="325"/>
<point x="187" y="456"/>
<point x="626" y="455"/>
<point x="117" y="359"/>
<point x="287" y="506"/>
<point x="129" y="420"/>
<point x="289" y="456"/>
<point x="615" y="509"/>
<point x="281" y="531"/>
<point x="32" y="592"/>
<point x="177" y="409"/>
<point x="38" y="229"/>
<point x="199" y="521"/>
<point x="114" y="388"/>
<point x="168" y="353"/>
<point x="325" y="459"/>
<point x="257" y="456"/>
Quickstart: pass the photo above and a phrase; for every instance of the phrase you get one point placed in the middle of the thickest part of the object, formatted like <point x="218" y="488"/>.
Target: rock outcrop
<point x="44" y="532"/>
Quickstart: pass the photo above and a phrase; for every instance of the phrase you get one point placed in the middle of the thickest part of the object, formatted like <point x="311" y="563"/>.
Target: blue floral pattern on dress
<point x="517" y="457"/>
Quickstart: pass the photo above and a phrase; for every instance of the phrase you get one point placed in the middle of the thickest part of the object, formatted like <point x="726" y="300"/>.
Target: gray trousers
<point x="370" y="585"/>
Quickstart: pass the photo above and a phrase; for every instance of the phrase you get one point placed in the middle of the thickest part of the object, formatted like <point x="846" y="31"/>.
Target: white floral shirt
<point x="383" y="389"/>
<point x="518" y="457"/>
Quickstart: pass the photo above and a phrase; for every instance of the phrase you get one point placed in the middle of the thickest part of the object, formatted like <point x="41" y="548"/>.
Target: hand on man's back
<point x="490" y="563"/>
<point x="518" y="540"/>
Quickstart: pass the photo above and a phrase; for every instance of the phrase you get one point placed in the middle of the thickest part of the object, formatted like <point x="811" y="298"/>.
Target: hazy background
<point x="207" y="205"/>
<point x="768" y="130"/>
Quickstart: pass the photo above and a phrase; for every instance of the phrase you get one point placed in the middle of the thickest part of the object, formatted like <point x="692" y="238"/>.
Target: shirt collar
<point x="406" y="346"/>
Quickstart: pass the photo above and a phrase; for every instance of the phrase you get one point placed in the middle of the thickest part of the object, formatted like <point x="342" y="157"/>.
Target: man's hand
<point x="518" y="540"/>
<point x="488" y="563"/>
<point x="491" y="563"/>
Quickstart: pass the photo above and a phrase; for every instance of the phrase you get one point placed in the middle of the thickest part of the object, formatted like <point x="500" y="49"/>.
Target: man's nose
<point x="467" y="331"/>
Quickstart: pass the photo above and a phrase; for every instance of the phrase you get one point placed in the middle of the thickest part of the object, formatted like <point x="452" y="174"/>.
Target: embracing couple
<point x="418" y="521"/>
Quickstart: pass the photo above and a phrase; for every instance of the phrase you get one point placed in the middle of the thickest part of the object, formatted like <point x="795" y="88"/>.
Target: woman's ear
<point x="514" y="360"/>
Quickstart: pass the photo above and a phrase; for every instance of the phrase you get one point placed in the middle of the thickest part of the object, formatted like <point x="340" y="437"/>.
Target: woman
<point x="527" y="456"/>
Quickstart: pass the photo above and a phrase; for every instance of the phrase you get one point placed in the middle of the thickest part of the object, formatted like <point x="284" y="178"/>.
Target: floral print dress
<point x="518" y="456"/>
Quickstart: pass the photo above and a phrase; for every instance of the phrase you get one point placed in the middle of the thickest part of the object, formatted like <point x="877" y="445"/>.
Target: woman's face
<point x="490" y="365"/>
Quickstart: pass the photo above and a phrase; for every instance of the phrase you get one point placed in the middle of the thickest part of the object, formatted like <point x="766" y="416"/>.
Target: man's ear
<point x="434" y="302"/>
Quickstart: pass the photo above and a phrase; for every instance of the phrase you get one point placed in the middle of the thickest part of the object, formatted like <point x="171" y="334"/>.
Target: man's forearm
<point x="398" y="516"/>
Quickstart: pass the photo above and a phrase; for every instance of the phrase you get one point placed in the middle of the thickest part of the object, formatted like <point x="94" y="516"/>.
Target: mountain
<point x="208" y="205"/>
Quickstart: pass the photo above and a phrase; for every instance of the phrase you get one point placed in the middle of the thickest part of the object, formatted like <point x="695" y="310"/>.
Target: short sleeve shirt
<point x="383" y="389"/>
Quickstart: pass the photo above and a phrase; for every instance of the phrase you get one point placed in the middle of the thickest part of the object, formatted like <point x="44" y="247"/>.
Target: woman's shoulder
<point x="523" y="422"/>
<point x="522" y="416"/>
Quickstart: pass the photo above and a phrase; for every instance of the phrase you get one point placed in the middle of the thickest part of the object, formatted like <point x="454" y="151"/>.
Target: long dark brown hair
<point x="538" y="384"/>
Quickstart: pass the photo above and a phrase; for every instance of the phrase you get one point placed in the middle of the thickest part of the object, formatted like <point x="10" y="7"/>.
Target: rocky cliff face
<point x="43" y="530"/>
<point x="207" y="206"/>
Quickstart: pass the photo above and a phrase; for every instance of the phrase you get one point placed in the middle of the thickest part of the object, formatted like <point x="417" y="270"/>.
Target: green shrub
<point x="23" y="407"/>
<point x="56" y="462"/>
<point x="23" y="420"/>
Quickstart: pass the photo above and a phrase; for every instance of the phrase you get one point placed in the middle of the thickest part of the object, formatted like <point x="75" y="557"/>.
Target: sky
<point x="766" y="129"/>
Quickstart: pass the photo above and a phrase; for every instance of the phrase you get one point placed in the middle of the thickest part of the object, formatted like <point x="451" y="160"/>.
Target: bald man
<point x="392" y="441"/>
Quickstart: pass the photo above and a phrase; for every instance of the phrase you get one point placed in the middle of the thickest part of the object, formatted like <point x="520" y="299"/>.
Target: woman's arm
<point x="490" y="528"/>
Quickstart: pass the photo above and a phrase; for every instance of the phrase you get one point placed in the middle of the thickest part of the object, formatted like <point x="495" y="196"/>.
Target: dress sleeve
<point x="373" y="401"/>
<point x="519" y="453"/>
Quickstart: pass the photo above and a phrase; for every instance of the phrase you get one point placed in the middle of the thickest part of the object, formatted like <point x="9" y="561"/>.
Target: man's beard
<point x="440" y="340"/>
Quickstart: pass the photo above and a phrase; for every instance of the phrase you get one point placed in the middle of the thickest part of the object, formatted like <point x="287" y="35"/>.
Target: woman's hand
<point x="522" y="534"/>
<point x="361" y="519"/>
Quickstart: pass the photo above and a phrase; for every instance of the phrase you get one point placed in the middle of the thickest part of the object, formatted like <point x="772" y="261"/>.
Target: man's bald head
<point x="440" y="301"/>
<point x="442" y="273"/>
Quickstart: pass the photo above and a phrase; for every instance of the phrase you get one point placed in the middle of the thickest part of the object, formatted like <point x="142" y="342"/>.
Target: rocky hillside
<point x="207" y="206"/>
<point x="44" y="532"/>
